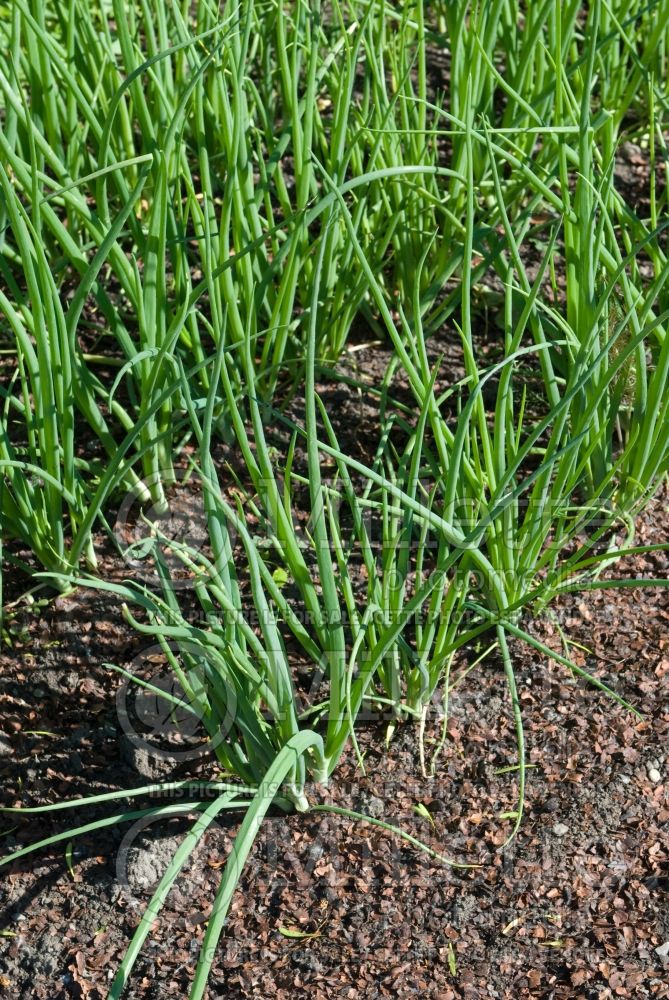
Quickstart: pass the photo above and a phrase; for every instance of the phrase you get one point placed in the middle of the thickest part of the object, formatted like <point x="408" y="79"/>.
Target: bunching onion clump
<point x="197" y="206"/>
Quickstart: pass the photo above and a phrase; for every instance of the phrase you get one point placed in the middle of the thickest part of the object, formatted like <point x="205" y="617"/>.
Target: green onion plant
<point x="199" y="208"/>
